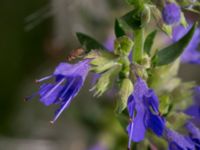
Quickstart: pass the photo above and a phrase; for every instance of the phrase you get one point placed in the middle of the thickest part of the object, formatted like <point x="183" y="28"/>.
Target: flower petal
<point x="193" y="111"/>
<point x="48" y="100"/>
<point x="178" y="140"/>
<point x="68" y="96"/>
<point x="136" y="129"/>
<point x="155" y="123"/>
<point x="152" y="100"/>
<point x="194" y="133"/>
<point x="140" y="89"/>
<point x="79" y="69"/>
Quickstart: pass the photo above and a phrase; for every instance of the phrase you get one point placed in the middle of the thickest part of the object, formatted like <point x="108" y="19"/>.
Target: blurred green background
<point x="34" y="37"/>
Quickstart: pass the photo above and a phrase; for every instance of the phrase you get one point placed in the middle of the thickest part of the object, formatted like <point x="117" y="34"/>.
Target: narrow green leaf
<point x="118" y="29"/>
<point x="88" y="42"/>
<point x="149" y="41"/>
<point x="133" y="19"/>
<point x="172" y="52"/>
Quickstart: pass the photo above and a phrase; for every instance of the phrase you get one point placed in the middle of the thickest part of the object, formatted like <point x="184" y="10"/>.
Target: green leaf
<point x="172" y="52"/>
<point x="133" y="19"/>
<point x="88" y="43"/>
<point x="118" y="29"/>
<point x="149" y="41"/>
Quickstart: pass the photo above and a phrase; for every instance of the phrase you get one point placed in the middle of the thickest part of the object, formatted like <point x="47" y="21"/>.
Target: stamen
<point x="66" y="90"/>
<point x="130" y="136"/>
<point x="131" y="133"/>
<point x="60" y="111"/>
<point x="30" y="97"/>
<point x="43" y="88"/>
<point x="64" y="106"/>
<point x="43" y="79"/>
<point x="54" y="88"/>
<point x="51" y="122"/>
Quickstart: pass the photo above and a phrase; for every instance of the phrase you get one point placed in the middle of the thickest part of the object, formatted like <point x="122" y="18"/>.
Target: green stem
<point x="139" y="45"/>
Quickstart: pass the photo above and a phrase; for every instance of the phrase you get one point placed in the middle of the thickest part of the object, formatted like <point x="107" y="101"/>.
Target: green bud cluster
<point x="113" y="67"/>
<point x="123" y="45"/>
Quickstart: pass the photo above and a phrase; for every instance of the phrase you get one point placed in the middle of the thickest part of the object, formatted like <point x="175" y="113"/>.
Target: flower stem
<point x="139" y="45"/>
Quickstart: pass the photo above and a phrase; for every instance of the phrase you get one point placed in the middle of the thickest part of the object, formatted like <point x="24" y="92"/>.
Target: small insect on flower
<point x="75" y="53"/>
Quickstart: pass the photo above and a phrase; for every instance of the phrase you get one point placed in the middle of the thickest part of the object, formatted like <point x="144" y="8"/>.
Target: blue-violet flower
<point x="194" y="109"/>
<point x="194" y="134"/>
<point x="69" y="79"/>
<point x="177" y="141"/>
<point x="143" y="110"/>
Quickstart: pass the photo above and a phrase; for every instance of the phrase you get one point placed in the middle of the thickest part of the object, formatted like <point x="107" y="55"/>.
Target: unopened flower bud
<point x="146" y="15"/>
<point x="103" y="61"/>
<point x="123" y="46"/>
<point x="125" y="91"/>
<point x="106" y="80"/>
<point x="171" y="14"/>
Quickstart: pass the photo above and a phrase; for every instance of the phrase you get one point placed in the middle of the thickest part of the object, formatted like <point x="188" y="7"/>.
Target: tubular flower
<point x="194" y="110"/>
<point x="143" y="110"/>
<point x="194" y="134"/>
<point x="171" y="14"/>
<point x="177" y="141"/>
<point x="69" y="79"/>
<point x="191" y="53"/>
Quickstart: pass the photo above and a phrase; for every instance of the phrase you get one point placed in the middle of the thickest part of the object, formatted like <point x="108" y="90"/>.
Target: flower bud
<point x="102" y="61"/>
<point x="171" y="14"/>
<point x="125" y="91"/>
<point x="146" y="61"/>
<point x="146" y="15"/>
<point x="125" y="71"/>
<point x="123" y="46"/>
<point x="106" y="80"/>
<point x="165" y="105"/>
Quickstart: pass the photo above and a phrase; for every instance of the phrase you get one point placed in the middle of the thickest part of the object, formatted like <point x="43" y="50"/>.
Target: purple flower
<point x="191" y="53"/>
<point x="177" y="141"/>
<point x="144" y="103"/>
<point x="194" y="110"/>
<point x="171" y="13"/>
<point x="194" y="134"/>
<point x="69" y="79"/>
